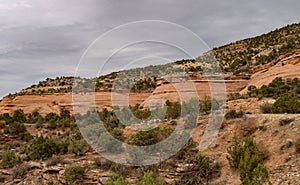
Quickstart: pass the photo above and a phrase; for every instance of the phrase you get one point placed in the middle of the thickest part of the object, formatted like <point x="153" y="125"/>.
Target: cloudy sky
<point x="46" y="38"/>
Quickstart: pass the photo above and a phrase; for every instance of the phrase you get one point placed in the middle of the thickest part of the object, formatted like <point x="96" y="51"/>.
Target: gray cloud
<point x="41" y="39"/>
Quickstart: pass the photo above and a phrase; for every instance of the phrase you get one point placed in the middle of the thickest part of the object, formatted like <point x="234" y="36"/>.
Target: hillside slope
<point x="255" y="61"/>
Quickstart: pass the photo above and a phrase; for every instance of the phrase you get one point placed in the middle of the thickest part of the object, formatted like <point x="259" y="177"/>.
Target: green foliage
<point x="235" y="151"/>
<point x="74" y="173"/>
<point x="78" y="147"/>
<point x="41" y="148"/>
<point x="276" y="88"/>
<point x="9" y="158"/>
<point x="150" y="137"/>
<point x="173" y="110"/>
<point x="287" y="103"/>
<point x="145" y="84"/>
<point x="115" y="179"/>
<point x="246" y="158"/>
<point x="232" y="114"/>
<point x="142" y="114"/>
<point x="241" y="56"/>
<point x="19" y="116"/>
<point x="15" y="128"/>
<point x="35" y="117"/>
<point x="149" y="179"/>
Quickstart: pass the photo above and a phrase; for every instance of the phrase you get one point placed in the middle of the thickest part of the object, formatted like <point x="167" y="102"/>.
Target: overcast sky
<point x="46" y="38"/>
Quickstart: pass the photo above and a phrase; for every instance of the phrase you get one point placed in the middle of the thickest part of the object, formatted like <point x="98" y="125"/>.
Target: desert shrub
<point x="74" y="173"/>
<point x="122" y="170"/>
<point x="115" y="179"/>
<point x="41" y="148"/>
<point x="15" y="128"/>
<point x="234" y="96"/>
<point x="78" y="147"/>
<point x="266" y="108"/>
<point x="50" y="182"/>
<point x="150" y="137"/>
<point x="200" y="172"/>
<point x="145" y="84"/>
<point x="276" y="88"/>
<point x="247" y="127"/>
<point x="245" y="157"/>
<point x="35" y="117"/>
<point x="232" y="114"/>
<point x="297" y="146"/>
<point x="20" y="171"/>
<point x="142" y="114"/>
<point x="6" y="118"/>
<point x="25" y="136"/>
<point x="287" y="103"/>
<point x="149" y="179"/>
<point x="9" y="158"/>
<point x="19" y="116"/>
<point x="173" y="109"/>
<point x="55" y="160"/>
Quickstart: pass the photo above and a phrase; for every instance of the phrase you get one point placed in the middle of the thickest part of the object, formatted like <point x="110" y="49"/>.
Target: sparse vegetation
<point x="74" y="173"/>
<point x="20" y="171"/>
<point x="9" y="158"/>
<point x="200" y="171"/>
<point x="287" y="103"/>
<point x="115" y="179"/>
<point x="43" y="148"/>
<point x="245" y="157"/>
<point x="149" y="179"/>
<point x="43" y="145"/>
<point x="232" y="114"/>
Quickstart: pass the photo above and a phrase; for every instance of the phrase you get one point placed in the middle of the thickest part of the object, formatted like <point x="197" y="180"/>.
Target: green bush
<point x="15" y="128"/>
<point x="115" y="179"/>
<point x="55" y="160"/>
<point x="19" y="116"/>
<point x="287" y="103"/>
<point x="150" y="137"/>
<point x="78" y="147"/>
<point x="149" y="179"/>
<point x="9" y="159"/>
<point x="42" y="148"/>
<point x="276" y="88"/>
<point x="173" y="110"/>
<point x="246" y="158"/>
<point x="74" y="173"/>
<point x="232" y="114"/>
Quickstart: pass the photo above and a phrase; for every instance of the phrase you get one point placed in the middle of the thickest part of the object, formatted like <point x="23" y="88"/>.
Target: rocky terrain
<point x="261" y="76"/>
